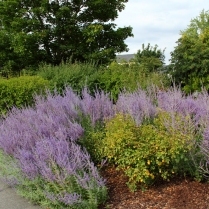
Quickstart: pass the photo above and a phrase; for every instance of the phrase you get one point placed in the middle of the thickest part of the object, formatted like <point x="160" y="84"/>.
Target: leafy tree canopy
<point x="53" y="31"/>
<point x="190" y="58"/>
<point x="150" y="58"/>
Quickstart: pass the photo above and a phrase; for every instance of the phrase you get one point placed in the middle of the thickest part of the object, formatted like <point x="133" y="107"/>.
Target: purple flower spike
<point x="138" y="104"/>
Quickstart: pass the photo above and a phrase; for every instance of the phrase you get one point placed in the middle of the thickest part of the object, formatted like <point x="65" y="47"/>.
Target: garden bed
<point x="179" y="193"/>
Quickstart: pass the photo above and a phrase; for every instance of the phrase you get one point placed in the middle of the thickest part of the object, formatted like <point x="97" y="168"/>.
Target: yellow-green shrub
<point x="148" y="152"/>
<point x="19" y="91"/>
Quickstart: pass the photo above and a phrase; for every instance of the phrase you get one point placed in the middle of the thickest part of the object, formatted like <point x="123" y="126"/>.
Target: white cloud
<point x="158" y="22"/>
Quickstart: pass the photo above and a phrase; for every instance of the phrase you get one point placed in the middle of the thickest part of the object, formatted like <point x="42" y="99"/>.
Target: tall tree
<point x="53" y="31"/>
<point x="190" y="58"/>
<point x="150" y="58"/>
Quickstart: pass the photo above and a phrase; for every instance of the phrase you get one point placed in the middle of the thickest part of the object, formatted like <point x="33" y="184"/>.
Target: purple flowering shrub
<point x="194" y="112"/>
<point x="67" y="175"/>
<point x="98" y="108"/>
<point x="195" y="107"/>
<point x="55" y="141"/>
<point x="43" y="140"/>
<point x="94" y="111"/>
<point x="138" y="105"/>
<point x="204" y="147"/>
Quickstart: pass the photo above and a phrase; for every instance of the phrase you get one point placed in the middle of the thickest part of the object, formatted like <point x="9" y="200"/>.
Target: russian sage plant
<point x="204" y="147"/>
<point x="137" y="104"/>
<point x="98" y="108"/>
<point x="43" y="140"/>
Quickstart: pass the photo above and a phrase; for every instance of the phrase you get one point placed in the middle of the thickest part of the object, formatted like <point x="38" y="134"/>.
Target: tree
<point x="190" y="58"/>
<point x="8" y="58"/>
<point x="150" y="58"/>
<point x="53" y="31"/>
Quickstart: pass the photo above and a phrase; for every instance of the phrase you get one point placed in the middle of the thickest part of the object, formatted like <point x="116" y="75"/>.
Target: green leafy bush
<point x="155" y="150"/>
<point x="19" y="91"/>
<point x="196" y="84"/>
<point x="189" y="60"/>
<point x="118" y="77"/>
<point x="92" y="139"/>
<point x="77" y="76"/>
<point x="112" y="79"/>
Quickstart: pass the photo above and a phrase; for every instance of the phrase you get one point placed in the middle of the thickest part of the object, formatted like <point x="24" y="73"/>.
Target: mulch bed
<point x="179" y="193"/>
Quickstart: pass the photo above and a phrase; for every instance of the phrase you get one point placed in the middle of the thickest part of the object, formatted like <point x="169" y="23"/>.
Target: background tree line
<point x="51" y="32"/>
<point x="32" y="32"/>
<point x="190" y="58"/>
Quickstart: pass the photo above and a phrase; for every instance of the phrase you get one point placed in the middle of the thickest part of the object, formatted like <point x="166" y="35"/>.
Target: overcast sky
<point x="158" y="21"/>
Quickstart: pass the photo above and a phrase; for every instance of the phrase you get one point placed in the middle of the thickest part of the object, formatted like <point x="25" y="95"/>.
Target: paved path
<point x="9" y="199"/>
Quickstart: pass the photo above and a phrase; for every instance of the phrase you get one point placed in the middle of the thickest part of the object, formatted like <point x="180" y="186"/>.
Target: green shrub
<point x="93" y="142"/>
<point x="196" y="84"/>
<point x="118" y="77"/>
<point x="112" y="79"/>
<point x="77" y="76"/>
<point x="150" y="152"/>
<point x="19" y="91"/>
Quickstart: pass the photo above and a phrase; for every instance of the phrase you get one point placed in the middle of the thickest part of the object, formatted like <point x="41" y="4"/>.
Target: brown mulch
<point x="179" y="193"/>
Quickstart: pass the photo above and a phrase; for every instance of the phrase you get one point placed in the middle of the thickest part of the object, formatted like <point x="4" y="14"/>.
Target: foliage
<point x="92" y="140"/>
<point x="190" y="57"/>
<point x="150" y="134"/>
<point x="19" y="91"/>
<point x="55" y="31"/>
<point x="112" y="79"/>
<point x="78" y="76"/>
<point x="204" y="146"/>
<point x="117" y="78"/>
<point x="148" y="152"/>
<point x="139" y="105"/>
<point x="196" y="84"/>
<point x="150" y="58"/>
<point x="56" y="171"/>
<point x="6" y="53"/>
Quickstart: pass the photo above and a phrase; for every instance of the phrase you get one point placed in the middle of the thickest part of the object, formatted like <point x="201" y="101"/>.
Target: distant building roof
<point x="124" y="57"/>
